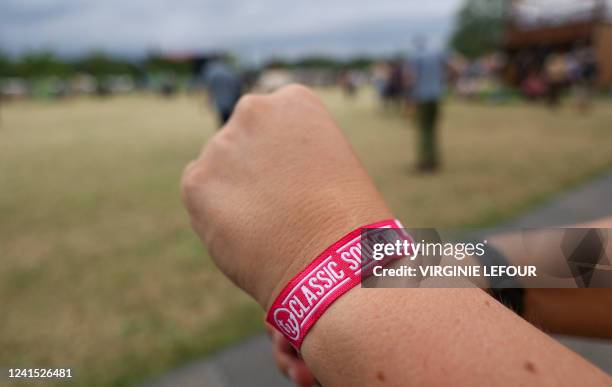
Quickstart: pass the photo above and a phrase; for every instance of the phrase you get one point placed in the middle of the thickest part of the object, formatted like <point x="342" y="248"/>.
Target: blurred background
<point x="102" y="104"/>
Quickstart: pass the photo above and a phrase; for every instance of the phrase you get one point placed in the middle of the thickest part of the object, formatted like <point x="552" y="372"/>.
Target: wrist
<point x="314" y="240"/>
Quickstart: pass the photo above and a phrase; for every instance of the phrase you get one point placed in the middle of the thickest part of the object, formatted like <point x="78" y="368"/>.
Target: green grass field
<point x="100" y="272"/>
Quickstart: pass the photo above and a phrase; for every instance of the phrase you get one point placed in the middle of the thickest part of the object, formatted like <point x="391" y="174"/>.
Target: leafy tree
<point x="359" y="62"/>
<point x="41" y="63"/>
<point x="480" y="27"/>
<point x="7" y="66"/>
<point x="325" y="62"/>
<point x="100" y="64"/>
<point x="156" y="63"/>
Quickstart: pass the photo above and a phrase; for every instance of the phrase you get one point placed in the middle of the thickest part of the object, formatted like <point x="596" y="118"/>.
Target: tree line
<point x="478" y="30"/>
<point x="99" y="64"/>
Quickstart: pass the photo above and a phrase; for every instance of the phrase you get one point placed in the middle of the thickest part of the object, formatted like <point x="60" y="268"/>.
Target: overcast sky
<point x="254" y="29"/>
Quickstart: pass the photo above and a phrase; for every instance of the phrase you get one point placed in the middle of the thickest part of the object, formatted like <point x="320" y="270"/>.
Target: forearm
<point x="580" y="312"/>
<point x="458" y="337"/>
<point x="584" y="312"/>
<point x="280" y="183"/>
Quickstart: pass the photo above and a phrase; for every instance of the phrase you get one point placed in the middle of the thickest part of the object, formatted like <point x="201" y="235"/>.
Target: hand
<point x="288" y="361"/>
<point x="277" y="185"/>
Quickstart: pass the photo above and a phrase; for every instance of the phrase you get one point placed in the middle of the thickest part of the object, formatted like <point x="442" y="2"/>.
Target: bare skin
<point x="579" y="312"/>
<point x="278" y="184"/>
<point x="576" y="312"/>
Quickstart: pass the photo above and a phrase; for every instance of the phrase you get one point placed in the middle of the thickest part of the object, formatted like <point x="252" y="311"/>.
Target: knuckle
<point x="189" y="179"/>
<point x="248" y="103"/>
<point x="297" y="90"/>
<point x="299" y="95"/>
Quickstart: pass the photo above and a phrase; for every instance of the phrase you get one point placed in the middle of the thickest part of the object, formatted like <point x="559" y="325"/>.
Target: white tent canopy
<point x="534" y="12"/>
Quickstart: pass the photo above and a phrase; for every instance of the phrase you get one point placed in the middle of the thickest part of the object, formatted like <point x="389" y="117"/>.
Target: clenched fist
<point x="277" y="185"/>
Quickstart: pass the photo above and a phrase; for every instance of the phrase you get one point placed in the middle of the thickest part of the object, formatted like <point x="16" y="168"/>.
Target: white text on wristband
<point x="334" y="272"/>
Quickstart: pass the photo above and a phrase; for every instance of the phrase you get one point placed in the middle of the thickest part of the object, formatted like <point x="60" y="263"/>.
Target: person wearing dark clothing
<point x="429" y="72"/>
<point x="394" y="87"/>
<point x="224" y="89"/>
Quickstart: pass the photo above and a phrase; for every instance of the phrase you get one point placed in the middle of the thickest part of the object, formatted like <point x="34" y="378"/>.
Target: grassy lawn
<point x="100" y="272"/>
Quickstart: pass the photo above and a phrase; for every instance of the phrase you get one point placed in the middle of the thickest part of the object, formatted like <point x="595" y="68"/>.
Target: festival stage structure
<point x="536" y="28"/>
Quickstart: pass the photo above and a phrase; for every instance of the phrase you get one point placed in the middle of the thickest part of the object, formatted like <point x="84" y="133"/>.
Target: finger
<point x="290" y="362"/>
<point x="282" y="344"/>
<point x="282" y="360"/>
<point x="294" y="368"/>
<point x="300" y="374"/>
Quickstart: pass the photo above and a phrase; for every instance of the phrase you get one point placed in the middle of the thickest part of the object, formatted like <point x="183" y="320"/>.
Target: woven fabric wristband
<point x="334" y="272"/>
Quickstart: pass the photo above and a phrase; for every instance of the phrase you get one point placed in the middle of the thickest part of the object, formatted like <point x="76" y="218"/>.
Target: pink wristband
<point x="334" y="272"/>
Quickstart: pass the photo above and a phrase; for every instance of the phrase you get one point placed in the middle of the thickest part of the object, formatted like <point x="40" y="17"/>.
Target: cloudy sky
<point x="252" y="28"/>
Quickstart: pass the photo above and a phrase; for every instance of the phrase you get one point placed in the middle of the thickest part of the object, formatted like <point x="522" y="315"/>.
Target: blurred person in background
<point x="429" y="70"/>
<point x="395" y="85"/>
<point x="586" y="68"/>
<point x="534" y="85"/>
<point x="379" y="73"/>
<point x="348" y="83"/>
<point x="556" y="71"/>
<point x="224" y="88"/>
<point x="169" y="86"/>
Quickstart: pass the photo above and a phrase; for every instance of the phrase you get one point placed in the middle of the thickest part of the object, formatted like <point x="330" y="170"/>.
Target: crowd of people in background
<point x="538" y="74"/>
<point x="550" y="76"/>
<point x="417" y="81"/>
